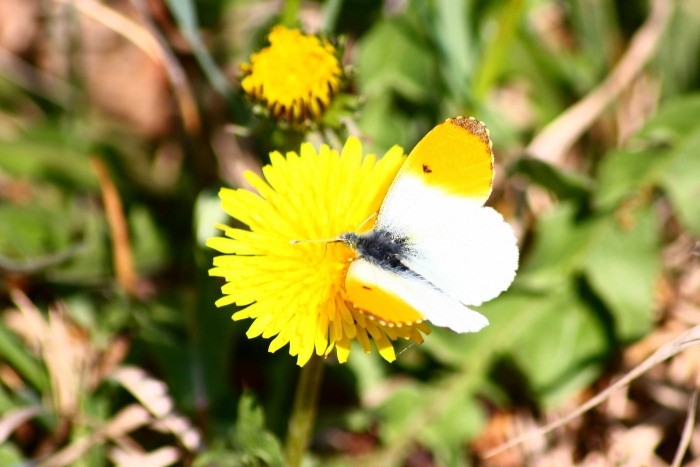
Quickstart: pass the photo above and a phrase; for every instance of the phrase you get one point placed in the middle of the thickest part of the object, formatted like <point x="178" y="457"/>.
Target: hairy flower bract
<point x="295" y="292"/>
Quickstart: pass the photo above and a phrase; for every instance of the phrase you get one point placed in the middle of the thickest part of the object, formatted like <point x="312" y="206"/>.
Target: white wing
<point x="465" y="249"/>
<point x="385" y="295"/>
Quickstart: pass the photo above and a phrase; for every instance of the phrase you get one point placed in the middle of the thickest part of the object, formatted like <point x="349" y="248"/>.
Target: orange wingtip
<point x="473" y="126"/>
<point x="456" y="157"/>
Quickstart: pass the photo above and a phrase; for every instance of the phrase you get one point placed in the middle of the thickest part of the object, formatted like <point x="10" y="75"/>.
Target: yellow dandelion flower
<point x="296" y="292"/>
<point x="295" y="77"/>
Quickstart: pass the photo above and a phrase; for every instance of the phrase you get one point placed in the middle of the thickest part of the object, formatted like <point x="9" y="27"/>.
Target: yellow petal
<point x="343" y="349"/>
<point x="295" y="292"/>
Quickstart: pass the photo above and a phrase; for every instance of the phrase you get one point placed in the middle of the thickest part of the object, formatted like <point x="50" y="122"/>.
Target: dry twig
<point x="685" y="340"/>
<point x="120" y="24"/>
<point x="149" y="40"/>
<point x="178" y="79"/>
<point x="688" y="427"/>
<point x="556" y="138"/>
<point x="121" y="245"/>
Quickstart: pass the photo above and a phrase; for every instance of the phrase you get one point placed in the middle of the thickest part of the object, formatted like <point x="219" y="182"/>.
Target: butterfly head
<point x="350" y="239"/>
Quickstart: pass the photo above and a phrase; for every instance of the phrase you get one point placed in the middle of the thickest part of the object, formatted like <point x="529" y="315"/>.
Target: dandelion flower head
<point x="295" y="292"/>
<point x="295" y="76"/>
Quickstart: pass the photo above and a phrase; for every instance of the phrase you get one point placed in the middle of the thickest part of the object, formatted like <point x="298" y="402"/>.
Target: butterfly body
<point x="379" y="248"/>
<point x="435" y="249"/>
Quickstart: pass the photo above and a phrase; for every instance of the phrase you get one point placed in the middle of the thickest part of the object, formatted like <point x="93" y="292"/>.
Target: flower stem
<point x="290" y="13"/>
<point x="304" y="411"/>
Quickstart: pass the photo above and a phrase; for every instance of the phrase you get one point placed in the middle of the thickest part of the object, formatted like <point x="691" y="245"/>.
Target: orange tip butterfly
<point x="435" y="248"/>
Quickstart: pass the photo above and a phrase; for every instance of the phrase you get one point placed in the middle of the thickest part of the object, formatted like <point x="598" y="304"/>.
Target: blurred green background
<point x="103" y="367"/>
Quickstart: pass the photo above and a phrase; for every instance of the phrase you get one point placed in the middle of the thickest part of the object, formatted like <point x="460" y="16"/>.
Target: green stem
<point x="290" y="13"/>
<point x="304" y="411"/>
<point x="495" y="56"/>
<point x="331" y="12"/>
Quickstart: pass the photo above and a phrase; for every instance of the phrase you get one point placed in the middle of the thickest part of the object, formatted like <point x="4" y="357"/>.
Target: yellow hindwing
<point x="369" y="289"/>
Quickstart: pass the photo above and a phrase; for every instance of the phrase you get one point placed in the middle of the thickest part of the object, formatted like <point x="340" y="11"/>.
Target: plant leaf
<point x="565" y="185"/>
<point x="622" y="268"/>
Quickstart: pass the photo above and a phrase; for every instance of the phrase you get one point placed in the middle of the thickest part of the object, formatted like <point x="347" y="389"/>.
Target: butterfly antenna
<point x="321" y="240"/>
<point x="325" y="252"/>
<point x="374" y="214"/>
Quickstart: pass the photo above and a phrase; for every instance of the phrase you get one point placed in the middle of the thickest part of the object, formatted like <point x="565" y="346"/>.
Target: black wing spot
<point x="427" y="169"/>
<point x="366" y="288"/>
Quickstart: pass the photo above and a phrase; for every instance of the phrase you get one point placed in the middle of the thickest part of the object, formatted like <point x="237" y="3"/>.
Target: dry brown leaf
<point x="65" y="350"/>
<point x="34" y="330"/>
<point x="619" y="406"/>
<point x="180" y="427"/>
<point x="159" y="458"/>
<point x="689" y="287"/>
<point x="128" y="419"/>
<point x="680" y="343"/>
<point x="71" y="453"/>
<point x="664" y="394"/>
<point x="153" y="394"/>
<point x="676" y="255"/>
<point x="116" y="352"/>
<point x="595" y="459"/>
<point x="633" y="447"/>
<point x="498" y="430"/>
<point x="683" y="368"/>
<point x="20" y="324"/>
<point x="10" y="377"/>
<point x="19" y="23"/>
<point x="14" y="418"/>
<point x="67" y="356"/>
<point x="558" y="456"/>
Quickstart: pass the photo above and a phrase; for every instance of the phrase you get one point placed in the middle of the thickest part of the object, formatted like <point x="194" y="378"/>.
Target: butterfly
<point x="435" y="249"/>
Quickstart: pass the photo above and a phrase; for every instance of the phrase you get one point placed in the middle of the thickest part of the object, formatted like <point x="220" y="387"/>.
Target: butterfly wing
<point x="466" y="250"/>
<point x="435" y="208"/>
<point x="404" y="298"/>
<point x="454" y="157"/>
